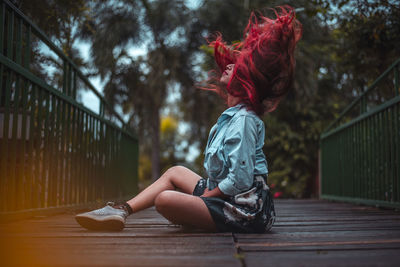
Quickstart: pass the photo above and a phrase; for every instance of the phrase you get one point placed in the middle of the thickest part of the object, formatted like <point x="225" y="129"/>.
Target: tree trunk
<point x="155" y="140"/>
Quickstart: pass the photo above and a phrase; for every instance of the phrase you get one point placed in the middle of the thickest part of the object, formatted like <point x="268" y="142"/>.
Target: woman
<point x="256" y="74"/>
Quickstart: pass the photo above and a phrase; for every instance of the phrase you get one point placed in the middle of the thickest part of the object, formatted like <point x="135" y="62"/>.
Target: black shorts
<point x="251" y="211"/>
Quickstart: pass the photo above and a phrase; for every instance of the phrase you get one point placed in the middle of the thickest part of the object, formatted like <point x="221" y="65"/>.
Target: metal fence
<point x="360" y="150"/>
<point x="55" y="152"/>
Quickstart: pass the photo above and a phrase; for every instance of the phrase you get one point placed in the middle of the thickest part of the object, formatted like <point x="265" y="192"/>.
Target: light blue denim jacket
<point x="233" y="154"/>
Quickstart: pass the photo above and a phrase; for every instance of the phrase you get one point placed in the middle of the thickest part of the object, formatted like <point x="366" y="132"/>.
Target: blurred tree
<point x="144" y="171"/>
<point x="140" y="85"/>
<point x="199" y="107"/>
<point x="367" y="41"/>
<point x="346" y="45"/>
<point x="170" y="139"/>
<point x="292" y="131"/>
<point x="59" y="21"/>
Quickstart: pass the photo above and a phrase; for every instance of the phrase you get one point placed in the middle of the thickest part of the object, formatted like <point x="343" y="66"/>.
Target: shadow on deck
<point x="306" y="233"/>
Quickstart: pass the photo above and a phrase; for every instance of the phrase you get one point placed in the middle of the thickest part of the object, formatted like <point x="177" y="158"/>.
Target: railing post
<point x="2" y="20"/>
<point x="54" y="152"/>
<point x="396" y="80"/>
<point x="362" y="105"/>
<point x="69" y="81"/>
<point x="3" y="142"/>
<point x="33" y="157"/>
<point x="39" y="155"/>
<point x="101" y="111"/>
<point x="74" y="86"/>
<point x="18" y="40"/>
<point x="10" y="34"/>
<point x="27" y="55"/>
<point x="370" y="161"/>
<point x="64" y="77"/>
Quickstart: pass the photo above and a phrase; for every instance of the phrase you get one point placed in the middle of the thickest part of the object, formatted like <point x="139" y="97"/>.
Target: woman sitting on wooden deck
<point x="256" y="74"/>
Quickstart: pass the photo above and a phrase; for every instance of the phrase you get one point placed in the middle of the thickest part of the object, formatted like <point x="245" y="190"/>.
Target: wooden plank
<point x="308" y="235"/>
<point x="124" y="251"/>
<point x="320" y="236"/>
<point x="354" y="258"/>
<point x="327" y="222"/>
<point x="321" y="233"/>
<point x="369" y="243"/>
<point x="148" y="240"/>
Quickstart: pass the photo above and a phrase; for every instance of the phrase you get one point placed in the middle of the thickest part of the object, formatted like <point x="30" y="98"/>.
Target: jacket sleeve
<point x="239" y="150"/>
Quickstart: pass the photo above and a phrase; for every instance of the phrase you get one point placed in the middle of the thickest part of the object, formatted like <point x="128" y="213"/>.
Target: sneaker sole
<point x="107" y="224"/>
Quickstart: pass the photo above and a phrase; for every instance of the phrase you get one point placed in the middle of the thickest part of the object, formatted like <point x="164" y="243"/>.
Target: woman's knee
<point x="164" y="200"/>
<point x="181" y="179"/>
<point x="175" y="171"/>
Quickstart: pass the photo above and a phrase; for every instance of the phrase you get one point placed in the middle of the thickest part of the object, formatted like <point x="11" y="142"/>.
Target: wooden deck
<point x="306" y="233"/>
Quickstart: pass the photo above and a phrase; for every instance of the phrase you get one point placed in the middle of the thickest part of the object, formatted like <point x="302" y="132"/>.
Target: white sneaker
<point x="109" y="218"/>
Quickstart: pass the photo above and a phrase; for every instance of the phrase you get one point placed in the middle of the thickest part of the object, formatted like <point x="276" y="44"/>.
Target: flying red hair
<point x="264" y="60"/>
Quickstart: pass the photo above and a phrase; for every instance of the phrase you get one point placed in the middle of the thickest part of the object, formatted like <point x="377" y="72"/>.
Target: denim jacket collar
<point x="229" y="113"/>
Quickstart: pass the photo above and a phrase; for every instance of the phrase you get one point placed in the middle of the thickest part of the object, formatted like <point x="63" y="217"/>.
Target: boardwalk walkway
<point x="306" y="233"/>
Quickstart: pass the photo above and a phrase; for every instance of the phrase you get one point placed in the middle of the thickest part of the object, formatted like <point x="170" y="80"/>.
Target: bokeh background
<point x="146" y="56"/>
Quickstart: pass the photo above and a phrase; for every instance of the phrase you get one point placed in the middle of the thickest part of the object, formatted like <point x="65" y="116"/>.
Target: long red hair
<point x="264" y="60"/>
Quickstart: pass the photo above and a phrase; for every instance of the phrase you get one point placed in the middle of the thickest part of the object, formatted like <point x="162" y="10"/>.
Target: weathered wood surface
<point x="306" y="233"/>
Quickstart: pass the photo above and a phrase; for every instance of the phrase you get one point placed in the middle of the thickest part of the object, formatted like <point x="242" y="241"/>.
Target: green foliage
<point x="345" y="45"/>
<point x="57" y="19"/>
<point x="292" y="131"/>
<point x="368" y="39"/>
<point x="169" y="141"/>
<point x="144" y="170"/>
<point x="140" y="85"/>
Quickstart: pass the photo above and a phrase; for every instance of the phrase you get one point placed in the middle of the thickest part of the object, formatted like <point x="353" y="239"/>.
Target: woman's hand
<point x="216" y="192"/>
<point x="206" y="193"/>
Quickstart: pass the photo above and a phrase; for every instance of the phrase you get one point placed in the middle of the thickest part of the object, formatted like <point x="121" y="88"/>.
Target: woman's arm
<point x="240" y="154"/>
<point x="216" y="192"/>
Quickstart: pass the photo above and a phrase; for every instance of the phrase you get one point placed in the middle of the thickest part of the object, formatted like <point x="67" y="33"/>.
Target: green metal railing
<point x="360" y="153"/>
<point x="55" y="152"/>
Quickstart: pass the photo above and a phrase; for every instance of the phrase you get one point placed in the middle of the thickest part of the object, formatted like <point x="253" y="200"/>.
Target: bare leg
<point x="174" y="178"/>
<point x="178" y="207"/>
<point x="184" y="209"/>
